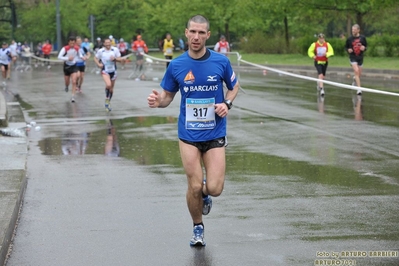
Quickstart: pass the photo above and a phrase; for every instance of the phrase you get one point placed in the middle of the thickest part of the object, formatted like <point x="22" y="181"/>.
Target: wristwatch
<point x="229" y="104"/>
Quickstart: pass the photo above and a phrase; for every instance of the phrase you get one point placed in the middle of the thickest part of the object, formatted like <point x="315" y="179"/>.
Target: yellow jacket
<point x="329" y="52"/>
<point x="168" y="47"/>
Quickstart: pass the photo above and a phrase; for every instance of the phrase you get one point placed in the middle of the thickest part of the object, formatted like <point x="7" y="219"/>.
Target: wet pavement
<point x="309" y="180"/>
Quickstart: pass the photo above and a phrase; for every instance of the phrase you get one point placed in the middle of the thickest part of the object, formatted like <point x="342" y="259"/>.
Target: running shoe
<point x="107" y="105"/>
<point x="66" y="89"/>
<point x="72" y="99"/>
<point x="359" y="92"/>
<point x="197" y="240"/>
<point x="207" y="205"/>
<point x="354" y="81"/>
<point x="321" y="92"/>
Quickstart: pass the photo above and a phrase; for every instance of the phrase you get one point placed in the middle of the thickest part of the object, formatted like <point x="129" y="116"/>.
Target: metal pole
<point x="92" y="28"/>
<point x="58" y="21"/>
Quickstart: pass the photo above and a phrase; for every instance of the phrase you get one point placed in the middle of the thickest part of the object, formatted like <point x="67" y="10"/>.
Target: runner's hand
<point x="153" y="99"/>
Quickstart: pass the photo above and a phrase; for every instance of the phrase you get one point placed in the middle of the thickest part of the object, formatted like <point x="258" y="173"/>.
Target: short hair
<point x="356" y="26"/>
<point x="72" y="38"/>
<point x="199" y="19"/>
<point x="78" y="37"/>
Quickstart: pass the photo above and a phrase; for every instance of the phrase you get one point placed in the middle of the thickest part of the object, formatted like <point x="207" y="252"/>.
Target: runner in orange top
<point x="46" y="49"/>
<point x="139" y="47"/>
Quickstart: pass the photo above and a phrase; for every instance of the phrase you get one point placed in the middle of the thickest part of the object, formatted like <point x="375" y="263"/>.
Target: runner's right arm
<point x="62" y="55"/>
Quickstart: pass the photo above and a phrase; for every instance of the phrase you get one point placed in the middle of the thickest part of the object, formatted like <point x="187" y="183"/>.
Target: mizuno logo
<point x="211" y="78"/>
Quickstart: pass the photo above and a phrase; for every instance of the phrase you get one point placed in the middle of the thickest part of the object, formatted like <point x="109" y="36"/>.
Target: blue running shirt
<point x="201" y="86"/>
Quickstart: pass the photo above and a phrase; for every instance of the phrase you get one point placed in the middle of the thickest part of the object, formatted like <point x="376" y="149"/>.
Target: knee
<point x="195" y="188"/>
<point x="215" y="190"/>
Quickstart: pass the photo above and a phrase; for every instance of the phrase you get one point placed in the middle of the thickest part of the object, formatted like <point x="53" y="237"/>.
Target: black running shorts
<point x="205" y="146"/>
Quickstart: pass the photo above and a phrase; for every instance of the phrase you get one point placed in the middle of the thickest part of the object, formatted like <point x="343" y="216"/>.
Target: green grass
<point x="301" y="60"/>
<point x="336" y="61"/>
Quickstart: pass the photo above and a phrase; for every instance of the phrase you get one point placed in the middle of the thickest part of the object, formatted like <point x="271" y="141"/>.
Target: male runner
<point x="70" y="55"/>
<point x="81" y="64"/>
<point x="199" y="75"/>
<point x="106" y="59"/>
<point x="356" y="45"/>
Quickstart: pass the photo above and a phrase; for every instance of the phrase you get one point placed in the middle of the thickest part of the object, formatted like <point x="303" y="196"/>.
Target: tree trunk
<point x="359" y="20"/>
<point x="348" y="25"/>
<point x="227" y="31"/>
<point x="287" y="39"/>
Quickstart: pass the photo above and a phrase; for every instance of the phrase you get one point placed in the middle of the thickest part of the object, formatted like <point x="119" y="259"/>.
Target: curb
<point x="13" y="178"/>
<point x="3" y="111"/>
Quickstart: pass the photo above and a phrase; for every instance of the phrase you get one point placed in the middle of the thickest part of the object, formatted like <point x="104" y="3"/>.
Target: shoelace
<point x="198" y="231"/>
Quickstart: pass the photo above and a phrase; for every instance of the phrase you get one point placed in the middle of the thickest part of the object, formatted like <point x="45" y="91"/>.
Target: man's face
<point x="71" y="42"/>
<point x="79" y="41"/>
<point x="107" y="43"/>
<point x="355" y="31"/>
<point x="197" y="34"/>
<point x="321" y="39"/>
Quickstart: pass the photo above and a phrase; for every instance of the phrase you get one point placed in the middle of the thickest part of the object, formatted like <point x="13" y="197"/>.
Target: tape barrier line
<point x="337" y="84"/>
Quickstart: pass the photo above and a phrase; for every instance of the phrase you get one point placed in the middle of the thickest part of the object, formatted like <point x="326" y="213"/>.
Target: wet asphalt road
<point x="307" y="178"/>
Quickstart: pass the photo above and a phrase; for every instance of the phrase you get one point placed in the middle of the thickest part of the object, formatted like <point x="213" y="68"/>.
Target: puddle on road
<point x="140" y="139"/>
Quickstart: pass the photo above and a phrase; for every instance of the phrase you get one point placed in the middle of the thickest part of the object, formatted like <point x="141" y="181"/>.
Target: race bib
<point x="169" y="50"/>
<point x="321" y="51"/>
<point x="200" y="113"/>
<point x="110" y="66"/>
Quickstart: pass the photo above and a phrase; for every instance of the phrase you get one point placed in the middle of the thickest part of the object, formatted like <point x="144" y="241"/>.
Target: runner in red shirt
<point x="222" y="46"/>
<point x="46" y="49"/>
<point x="139" y="47"/>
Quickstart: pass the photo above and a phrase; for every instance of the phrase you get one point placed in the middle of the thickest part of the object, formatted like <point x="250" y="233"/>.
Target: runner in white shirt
<point x="70" y="55"/>
<point x="13" y="50"/>
<point x="5" y="57"/>
<point x="106" y="59"/>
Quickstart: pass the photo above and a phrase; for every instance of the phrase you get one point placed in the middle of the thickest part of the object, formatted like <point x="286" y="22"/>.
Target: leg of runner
<point x="81" y="78"/>
<point x="73" y="79"/>
<point x="78" y="77"/>
<point x="67" y="80"/>
<point x="108" y="84"/>
<point x="4" y="74"/>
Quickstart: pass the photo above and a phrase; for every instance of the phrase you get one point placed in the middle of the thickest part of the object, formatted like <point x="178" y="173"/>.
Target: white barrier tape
<point x="44" y="59"/>
<point x="156" y="58"/>
<point x="58" y="60"/>
<point x="126" y="56"/>
<point x="322" y="80"/>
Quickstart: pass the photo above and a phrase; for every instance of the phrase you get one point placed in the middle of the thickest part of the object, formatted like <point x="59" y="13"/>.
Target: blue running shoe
<point x="107" y="105"/>
<point x="207" y="205"/>
<point x="197" y="239"/>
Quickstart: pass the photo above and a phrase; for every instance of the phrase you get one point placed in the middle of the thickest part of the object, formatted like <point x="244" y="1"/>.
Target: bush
<point x="261" y="43"/>
<point x="338" y="45"/>
<point x="373" y="46"/>
<point x="303" y="44"/>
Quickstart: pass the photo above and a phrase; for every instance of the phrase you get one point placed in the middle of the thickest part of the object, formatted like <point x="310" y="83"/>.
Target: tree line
<point x="282" y="21"/>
